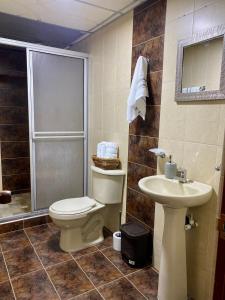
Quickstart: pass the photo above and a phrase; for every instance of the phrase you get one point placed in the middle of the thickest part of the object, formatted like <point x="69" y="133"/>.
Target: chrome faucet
<point x="181" y="175"/>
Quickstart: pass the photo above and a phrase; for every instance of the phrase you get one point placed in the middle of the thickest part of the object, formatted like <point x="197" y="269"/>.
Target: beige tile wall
<point x="194" y="134"/>
<point x="109" y="81"/>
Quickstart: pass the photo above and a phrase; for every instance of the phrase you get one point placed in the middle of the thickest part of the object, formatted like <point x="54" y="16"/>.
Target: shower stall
<point x="56" y="83"/>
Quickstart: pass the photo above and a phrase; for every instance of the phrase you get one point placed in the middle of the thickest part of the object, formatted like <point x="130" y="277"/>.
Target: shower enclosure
<point x="57" y="110"/>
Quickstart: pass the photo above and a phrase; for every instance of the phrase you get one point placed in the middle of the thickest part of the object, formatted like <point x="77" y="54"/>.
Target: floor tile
<point x="98" y="268"/>
<point x="55" y="229"/>
<point x="146" y="282"/>
<point x="6" y="292"/>
<point x="22" y="261"/>
<point x="85" y="251"/>
<point x="34" y="286"/>
<point x="92" y="295"/>
<point x="50" y="252"/>
<point x="14" y="239"/>
<point x="69" y="280"/>
<point x="120" y="289"/>
<point x="115" y="257"/>
<point x="39" y="234"/>
<point x="106" y="243"/>
<point x="3" y="271"/>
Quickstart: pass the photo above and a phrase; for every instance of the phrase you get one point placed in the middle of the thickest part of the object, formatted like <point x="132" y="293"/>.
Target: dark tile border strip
<point x="24" y="222"/>
<point x="143" y="136"/>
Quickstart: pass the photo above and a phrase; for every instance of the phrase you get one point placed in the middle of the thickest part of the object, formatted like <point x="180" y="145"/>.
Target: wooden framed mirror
<point x="200" y="73"/>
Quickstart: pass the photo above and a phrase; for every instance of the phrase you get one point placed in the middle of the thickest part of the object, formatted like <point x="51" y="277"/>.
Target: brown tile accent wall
<point x="148" y="40"/>
<point x="14" y="133"/>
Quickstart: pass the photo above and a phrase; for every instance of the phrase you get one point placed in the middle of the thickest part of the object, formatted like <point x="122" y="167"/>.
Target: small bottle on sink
<point x="170" y="168"/>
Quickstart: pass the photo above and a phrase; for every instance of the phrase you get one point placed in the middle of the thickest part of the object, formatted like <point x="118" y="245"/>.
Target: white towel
<point x="107" y="150"/>
<point x="139" y="91"/>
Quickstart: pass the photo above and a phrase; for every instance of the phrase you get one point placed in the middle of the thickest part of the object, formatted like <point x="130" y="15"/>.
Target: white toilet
<point x="81" y="220"/>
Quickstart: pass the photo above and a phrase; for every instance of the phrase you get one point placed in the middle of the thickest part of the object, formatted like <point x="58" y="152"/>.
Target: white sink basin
<point x="172" y="193"/>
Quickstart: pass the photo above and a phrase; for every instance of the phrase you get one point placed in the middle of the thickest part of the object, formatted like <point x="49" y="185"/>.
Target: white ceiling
<point x="86" y="15"/>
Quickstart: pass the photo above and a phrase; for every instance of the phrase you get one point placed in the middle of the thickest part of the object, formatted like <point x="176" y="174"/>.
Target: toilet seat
<point x="73" y="208"/>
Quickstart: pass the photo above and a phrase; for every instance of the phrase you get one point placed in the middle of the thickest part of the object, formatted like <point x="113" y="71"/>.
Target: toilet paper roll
<point x="117" y="241"/>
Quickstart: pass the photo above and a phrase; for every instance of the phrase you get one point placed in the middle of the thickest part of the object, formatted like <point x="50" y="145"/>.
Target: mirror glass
<point x="201" y="68"/>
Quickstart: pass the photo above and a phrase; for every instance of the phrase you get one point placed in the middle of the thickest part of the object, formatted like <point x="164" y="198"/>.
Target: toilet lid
<point x="73" y="205"/>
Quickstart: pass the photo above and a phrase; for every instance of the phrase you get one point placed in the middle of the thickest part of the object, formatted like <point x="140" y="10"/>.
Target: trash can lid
<point x="134" y="229"/>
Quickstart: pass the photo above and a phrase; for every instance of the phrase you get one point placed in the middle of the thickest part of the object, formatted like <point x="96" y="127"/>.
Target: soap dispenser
<point x="170" y="168"/>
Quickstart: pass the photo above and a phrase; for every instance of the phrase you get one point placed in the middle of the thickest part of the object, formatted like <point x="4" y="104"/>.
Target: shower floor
<point x="32" y="266"/>
<point x="21" y="203"/>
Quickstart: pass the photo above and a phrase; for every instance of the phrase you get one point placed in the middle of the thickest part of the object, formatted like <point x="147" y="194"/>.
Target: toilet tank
<point x="107" y="185"/>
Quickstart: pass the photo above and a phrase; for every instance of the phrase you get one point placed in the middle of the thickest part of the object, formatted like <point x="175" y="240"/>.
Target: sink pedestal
<point x="173" y="269"/>
<point x="175" y="197"/>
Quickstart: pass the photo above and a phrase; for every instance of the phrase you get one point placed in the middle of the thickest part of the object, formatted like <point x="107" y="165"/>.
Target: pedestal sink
<point x="175" y="197"/>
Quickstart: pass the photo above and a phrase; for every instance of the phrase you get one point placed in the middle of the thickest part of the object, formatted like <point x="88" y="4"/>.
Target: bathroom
<point x="90" y="49"/>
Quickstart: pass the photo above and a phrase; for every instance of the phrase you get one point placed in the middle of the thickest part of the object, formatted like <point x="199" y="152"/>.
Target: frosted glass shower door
<point x="58" y="127"/>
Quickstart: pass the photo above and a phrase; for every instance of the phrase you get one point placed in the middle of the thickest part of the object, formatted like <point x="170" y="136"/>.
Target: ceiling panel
<point x="115" y="5"/>
<point x="19" y="8"/>
<point x="27" y="30"/>
<point x="72" y="14"/>
<point x="73" y="22"/>
<point x="74" y="8"/>
<point x="81" y="16"/>
<point x="68" y="13"/>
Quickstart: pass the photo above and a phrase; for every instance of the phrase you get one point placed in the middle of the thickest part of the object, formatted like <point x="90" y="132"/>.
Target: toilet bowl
<point x="81" y="220"/>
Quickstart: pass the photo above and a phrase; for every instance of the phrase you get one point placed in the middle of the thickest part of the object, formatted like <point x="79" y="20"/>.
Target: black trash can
<point x="136" y="245"/>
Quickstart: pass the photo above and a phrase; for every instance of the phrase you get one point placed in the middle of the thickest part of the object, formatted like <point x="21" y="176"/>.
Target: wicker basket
<point x="106" y="163"/>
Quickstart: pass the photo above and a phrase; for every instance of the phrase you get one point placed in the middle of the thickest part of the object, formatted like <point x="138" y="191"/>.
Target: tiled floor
<point x="32" y="267"/>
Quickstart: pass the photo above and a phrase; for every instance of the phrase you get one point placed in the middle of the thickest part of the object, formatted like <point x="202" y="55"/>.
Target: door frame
<point x="29" y="47"/>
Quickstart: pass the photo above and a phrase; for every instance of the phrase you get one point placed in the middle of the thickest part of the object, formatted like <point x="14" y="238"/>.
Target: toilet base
<point x="80" y="233"/>
<point x="71" y="240"/>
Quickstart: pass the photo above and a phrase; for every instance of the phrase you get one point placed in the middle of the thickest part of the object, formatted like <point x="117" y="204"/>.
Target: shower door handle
<point x="59" y="135"/>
